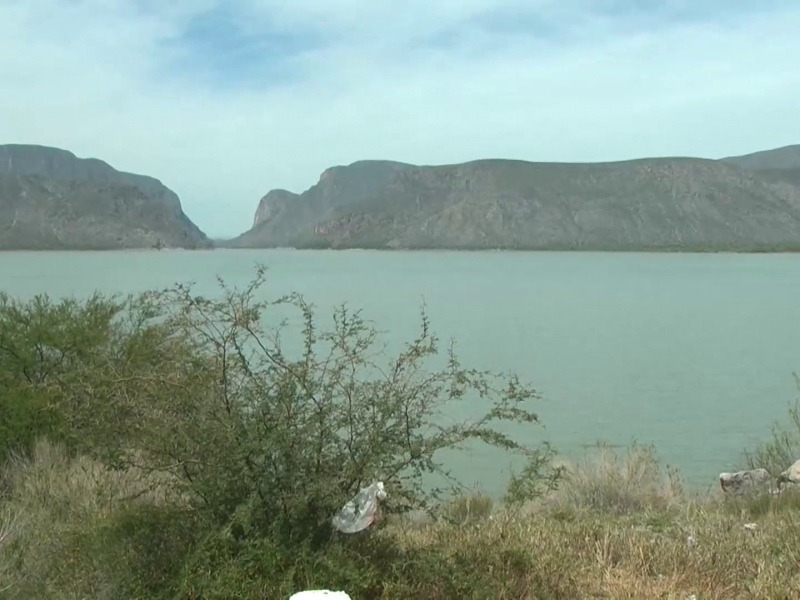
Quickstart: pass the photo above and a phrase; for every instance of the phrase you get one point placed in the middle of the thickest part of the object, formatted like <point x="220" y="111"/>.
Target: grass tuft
<point x="468" y="508"/>
<point x="607" y="482"/>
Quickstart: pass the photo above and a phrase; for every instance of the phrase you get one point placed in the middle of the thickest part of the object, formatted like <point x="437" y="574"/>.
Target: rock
<point x="742" y="481"/>
<point x="790" y="475"/>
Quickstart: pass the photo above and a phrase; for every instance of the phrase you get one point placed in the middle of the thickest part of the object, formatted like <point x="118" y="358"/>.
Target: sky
<point x="223" y="100"/>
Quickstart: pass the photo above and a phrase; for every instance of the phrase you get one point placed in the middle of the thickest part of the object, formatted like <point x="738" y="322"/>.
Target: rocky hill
<point x="787" y="157"/>
<point x="661" y="203"/>
<point x="51" y="199"/>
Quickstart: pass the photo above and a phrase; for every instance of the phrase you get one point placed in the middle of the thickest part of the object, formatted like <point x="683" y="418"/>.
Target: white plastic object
<point x="319" y="595"/>
<point x="361" y="511"/>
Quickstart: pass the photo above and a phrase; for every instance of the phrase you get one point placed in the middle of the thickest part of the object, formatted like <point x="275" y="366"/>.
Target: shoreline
<point x="554" y="249"/>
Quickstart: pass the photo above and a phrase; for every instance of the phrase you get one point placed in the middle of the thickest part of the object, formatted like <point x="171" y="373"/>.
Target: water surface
<point x="691" y="352"/>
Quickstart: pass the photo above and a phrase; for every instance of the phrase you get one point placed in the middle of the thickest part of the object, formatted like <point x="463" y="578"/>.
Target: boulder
<point x="742" y="481"/>
<point x="790" y="476"/>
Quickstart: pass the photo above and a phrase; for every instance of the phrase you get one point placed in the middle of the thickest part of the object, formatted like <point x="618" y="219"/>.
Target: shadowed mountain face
<point x="649" y="203"/>
<point x="51" y="199"/>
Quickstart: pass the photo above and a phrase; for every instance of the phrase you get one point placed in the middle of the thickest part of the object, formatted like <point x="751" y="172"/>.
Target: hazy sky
<point x="224" y="100"/>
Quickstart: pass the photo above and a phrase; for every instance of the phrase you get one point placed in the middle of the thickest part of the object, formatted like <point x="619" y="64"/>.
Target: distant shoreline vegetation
<point x="598" y="248"/>
<point x="689" y="248"/>
<point x="692" y="249"/>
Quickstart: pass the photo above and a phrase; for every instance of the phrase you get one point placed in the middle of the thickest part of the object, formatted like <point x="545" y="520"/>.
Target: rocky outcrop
<point x="286" y="214"/>
<point x="742" y="482"/>
<point x="51" y="199"/>
<point x="272" y="205"/>
<point x="790" y="476"/>
<point x="662" y="203"/>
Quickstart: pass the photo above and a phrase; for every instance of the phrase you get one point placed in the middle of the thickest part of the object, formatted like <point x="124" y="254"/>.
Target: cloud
<point x="226" y="99"/>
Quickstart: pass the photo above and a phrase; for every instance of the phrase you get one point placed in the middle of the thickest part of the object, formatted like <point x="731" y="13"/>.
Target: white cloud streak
<point x="419" y="81"/>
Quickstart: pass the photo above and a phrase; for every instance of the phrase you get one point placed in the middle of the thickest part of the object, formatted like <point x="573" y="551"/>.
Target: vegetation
<point x="170" y="446"/>
<point x="783" y="448"/>
<point x="309" y="243"/>
<point x="608" y="483"/>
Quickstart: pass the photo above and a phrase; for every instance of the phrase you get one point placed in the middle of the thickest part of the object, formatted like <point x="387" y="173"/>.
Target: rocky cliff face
<point x="649" y="203"/>
<point x="49" y="198"/>
<point x="337" y="187"/>
<point x="272" y="205"/>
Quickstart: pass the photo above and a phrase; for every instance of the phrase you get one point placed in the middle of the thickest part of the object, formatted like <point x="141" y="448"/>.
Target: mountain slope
<point x="647" y="203"/>
<point x="337" y="188"/>
<point x="49" y="198"/>
<point x="40" y="213"/>
<point x="787" y="157"/>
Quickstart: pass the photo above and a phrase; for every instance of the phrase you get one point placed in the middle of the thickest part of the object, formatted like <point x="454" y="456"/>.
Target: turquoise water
<point x="691" y="352"/>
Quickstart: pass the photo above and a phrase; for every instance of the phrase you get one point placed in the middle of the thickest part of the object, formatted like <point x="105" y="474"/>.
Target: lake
<point x="691" y="352"/>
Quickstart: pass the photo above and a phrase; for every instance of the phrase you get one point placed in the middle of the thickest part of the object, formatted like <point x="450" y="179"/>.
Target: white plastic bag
<point x="361" y="511"/>
<point x="319" y="595"/>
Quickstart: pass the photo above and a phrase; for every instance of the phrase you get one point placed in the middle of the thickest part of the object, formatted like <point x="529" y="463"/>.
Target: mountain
<point x="787" y="157"/>
<point x="659" y="203"/>
<point x="51" y="199"/>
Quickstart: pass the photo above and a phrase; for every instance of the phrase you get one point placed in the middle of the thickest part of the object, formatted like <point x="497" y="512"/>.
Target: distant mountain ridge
<point x="51" y="199"/>
<point x="787" y="157"/>
<point x="655" y="203"/>
<point x="22" y="159"/>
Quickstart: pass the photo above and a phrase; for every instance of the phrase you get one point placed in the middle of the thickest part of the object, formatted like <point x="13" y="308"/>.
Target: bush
<point x="148" y="546"/>
<point x="783" y="449"/>
<point x="276" y="443"/>
<point x="39" y="343"/>
<point x="49" y="349"/>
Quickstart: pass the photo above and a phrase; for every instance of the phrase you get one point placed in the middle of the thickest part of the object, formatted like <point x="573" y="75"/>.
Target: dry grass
<point x="606" y="481"/>
<point x="51" y="504"/>
<point x="468" y="508"/>
<point x="619" y="527"/>
<point x="639" y="556"/>
<point x="10" y="525"/>
<point x="52" y="482"/>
